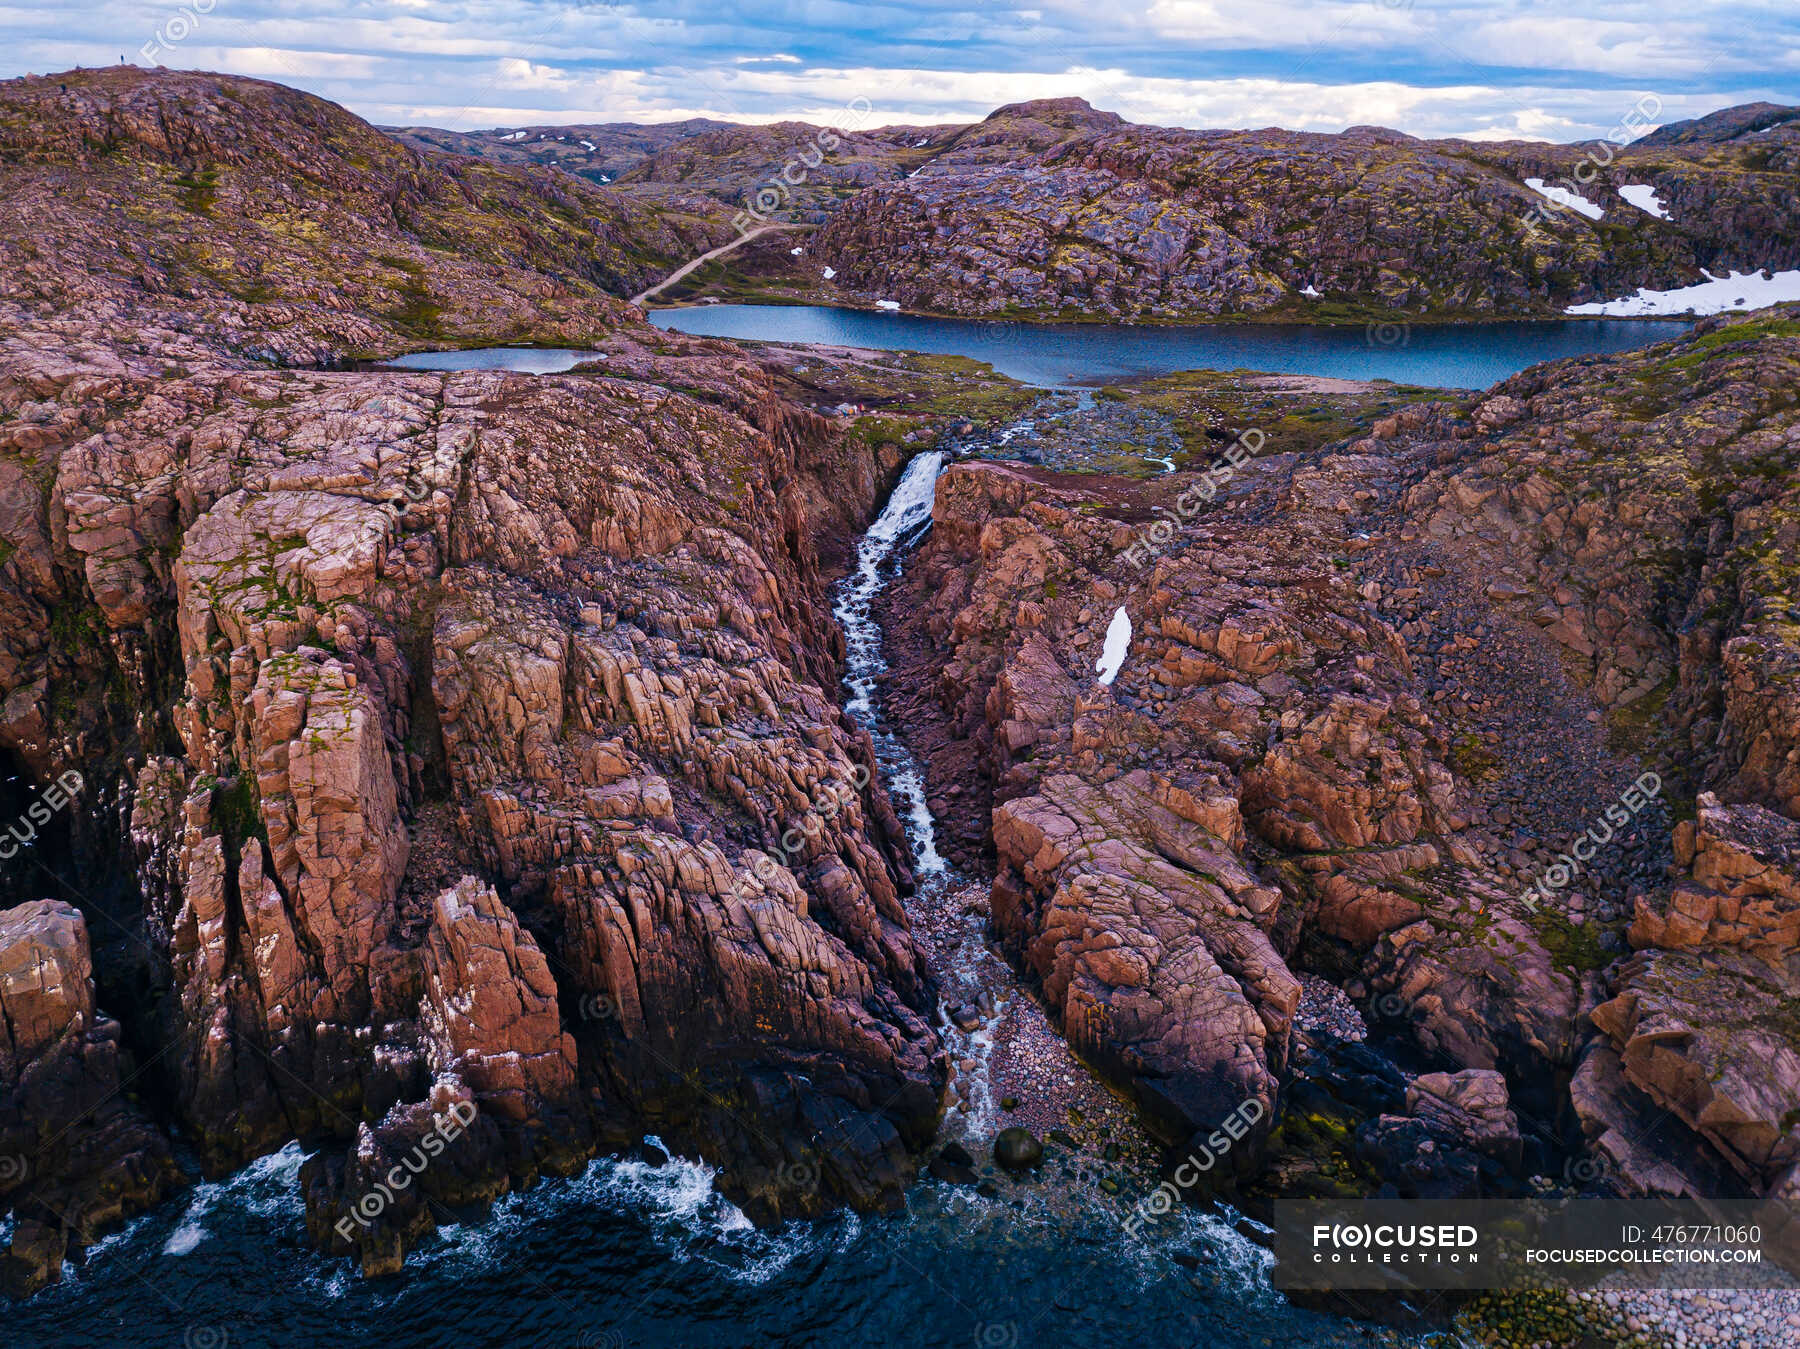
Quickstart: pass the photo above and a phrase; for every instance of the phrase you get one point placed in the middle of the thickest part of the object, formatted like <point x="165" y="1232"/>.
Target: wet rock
<point x="75" y="1156"/>
<point x="957" y="1154"/>
<point x="949" y="1167"/>
<point x="1017" y="1149"/>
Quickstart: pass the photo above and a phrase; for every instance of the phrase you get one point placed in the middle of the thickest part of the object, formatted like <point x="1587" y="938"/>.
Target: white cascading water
<point x="907" y="512"/>
<point x="967" y="971"/>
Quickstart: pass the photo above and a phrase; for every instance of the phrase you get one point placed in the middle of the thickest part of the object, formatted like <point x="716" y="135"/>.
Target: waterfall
<point x="907" y="514"/>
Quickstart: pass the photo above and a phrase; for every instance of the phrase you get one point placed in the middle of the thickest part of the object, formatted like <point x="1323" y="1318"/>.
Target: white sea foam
<point x="268" y="1187"/>
<point x="678" y="1202"/>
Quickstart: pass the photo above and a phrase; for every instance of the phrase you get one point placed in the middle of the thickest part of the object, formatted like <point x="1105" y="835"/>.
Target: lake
<point x="1456" y="356"/>
<point x="526" y="360"/>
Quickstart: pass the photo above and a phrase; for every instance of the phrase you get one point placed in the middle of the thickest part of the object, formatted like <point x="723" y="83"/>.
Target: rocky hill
<point x="596" y="151"/>
<point x="1367" y="701"/>
<point x="413" y="760"/>
<point x="701" y="167"/>
<point x="799" y="171"/>
<point x="296" y="229"/>
<point x="1055" y="210"/>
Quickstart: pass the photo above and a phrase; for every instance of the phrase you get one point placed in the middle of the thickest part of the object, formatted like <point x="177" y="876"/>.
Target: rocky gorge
<point x="462" y="782"/>
<point x="432" y="727"/>
<point x="1367" y="698"/>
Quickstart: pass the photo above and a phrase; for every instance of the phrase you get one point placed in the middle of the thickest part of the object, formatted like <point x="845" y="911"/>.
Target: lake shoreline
<point x="1063" y="356"/>
<point x="1276" y="318"/>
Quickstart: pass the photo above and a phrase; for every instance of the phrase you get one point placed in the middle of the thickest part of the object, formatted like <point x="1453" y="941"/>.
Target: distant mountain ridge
<point x="1052" y="208"/>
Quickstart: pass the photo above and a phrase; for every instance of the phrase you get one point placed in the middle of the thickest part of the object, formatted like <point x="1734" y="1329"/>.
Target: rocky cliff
<point x="1052" y="209"/>
<point x="448" y="769"/>
<point x="462" y="783"/>
<point x="293" y="230"/>
<point x="1368" y="701"/>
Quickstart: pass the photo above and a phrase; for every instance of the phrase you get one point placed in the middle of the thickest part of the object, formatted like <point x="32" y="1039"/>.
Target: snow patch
<point x="830" y="272"/>
<point x="795" y="252"/>
<point x="515" y="135"/>
<point x="1715" y="295"/>
<point x="1118" y="642"/>
<point x="887" y="304"/>
<point x="1563" y="197"/>
<point x="1311" y="293"/>
<point x="1643" y="196"/>
<point x="589" y="146"/>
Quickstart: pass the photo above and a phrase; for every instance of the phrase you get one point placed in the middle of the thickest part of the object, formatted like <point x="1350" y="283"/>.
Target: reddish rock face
<point x="450" y="714"/>
<point x="1049" y="210"/>
<point x="74" y="1156"/>
<point x="1647" y="513"/>
<point x="1262" y="768"/>
<point x="1270" y="781"/>
<point x="1697" y="1031"/>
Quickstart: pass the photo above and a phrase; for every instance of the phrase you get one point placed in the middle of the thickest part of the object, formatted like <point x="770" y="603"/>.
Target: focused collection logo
<point x="1394" y="1243"/>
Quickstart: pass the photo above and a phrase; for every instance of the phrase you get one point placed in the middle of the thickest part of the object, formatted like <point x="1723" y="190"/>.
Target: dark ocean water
<point x="1458" y="356"/>
<point x="631" y="1255"/>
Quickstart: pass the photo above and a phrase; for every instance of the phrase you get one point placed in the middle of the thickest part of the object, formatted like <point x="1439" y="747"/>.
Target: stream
<point x="967" y="972"/>
<point x="634" y="1254"/>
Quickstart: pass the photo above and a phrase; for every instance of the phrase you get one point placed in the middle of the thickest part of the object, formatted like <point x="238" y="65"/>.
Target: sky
<point x="1481" y="68"/>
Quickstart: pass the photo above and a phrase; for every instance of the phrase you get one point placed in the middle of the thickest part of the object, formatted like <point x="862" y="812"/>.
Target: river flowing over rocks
<point x="1307" y="763"/>
<point x="438" y="780"/>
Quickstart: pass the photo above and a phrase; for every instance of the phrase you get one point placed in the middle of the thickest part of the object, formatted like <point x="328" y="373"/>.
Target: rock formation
<point x="471" y="732"/>
<point x="75" y="1154"/>
<point x="1290" y="770"/>
<point x="1101" y="217"/>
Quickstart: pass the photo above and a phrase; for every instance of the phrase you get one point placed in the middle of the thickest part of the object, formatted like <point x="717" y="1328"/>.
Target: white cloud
<point x="1485" y="69"/>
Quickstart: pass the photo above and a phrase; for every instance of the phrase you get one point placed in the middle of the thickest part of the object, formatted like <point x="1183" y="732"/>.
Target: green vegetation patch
<point x="198" y="192"/>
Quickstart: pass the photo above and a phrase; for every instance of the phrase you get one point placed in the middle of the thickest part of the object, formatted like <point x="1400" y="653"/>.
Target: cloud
<point x="1481" y="68"/>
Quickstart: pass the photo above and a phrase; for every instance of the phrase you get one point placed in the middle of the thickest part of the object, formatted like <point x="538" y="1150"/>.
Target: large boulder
<point x="1699" y="1027"/>
<point x="75" y="1154"/>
